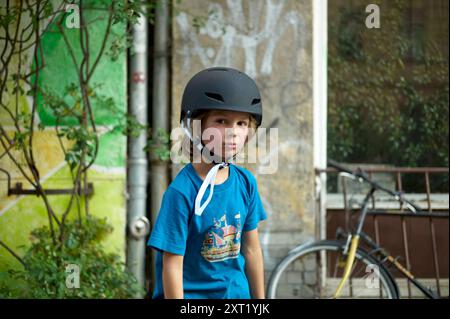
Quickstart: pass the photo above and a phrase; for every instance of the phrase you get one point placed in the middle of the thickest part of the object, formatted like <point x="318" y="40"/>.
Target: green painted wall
<point x="20" y="214"/>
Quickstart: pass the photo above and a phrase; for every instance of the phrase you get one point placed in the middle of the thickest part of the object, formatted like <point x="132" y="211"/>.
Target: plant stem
<point x="13" y="253"/>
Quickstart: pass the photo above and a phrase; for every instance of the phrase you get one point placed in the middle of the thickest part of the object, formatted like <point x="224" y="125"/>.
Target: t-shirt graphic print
<point x="223" y="241"/>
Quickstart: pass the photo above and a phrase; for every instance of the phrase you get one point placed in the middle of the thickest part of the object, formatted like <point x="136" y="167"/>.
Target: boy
<point x="210" y="248"/>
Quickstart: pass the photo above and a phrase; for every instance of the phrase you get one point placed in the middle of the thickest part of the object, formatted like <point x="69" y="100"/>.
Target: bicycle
<point x="341" y="267"/>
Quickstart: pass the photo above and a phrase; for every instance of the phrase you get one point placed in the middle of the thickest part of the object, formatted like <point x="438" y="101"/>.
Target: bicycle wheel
<point x="315" y="270"/>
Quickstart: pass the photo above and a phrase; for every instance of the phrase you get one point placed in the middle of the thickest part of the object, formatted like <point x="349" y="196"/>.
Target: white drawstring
<point x="209" y="180"/>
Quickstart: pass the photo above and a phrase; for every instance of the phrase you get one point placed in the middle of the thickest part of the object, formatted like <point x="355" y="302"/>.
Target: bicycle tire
<point x="332" y="246"/>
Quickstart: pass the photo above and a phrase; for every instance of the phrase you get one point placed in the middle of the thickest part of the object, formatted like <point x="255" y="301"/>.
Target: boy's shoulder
<point x="247" y="176"/>
<point x="183" y="182"/>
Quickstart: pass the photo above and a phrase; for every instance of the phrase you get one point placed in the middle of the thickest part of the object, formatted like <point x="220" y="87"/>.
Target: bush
<point x="388" y="91"/>
<point x="101" y="275"/>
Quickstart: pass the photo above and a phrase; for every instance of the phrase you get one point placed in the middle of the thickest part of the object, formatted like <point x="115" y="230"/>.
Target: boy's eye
<point x="242" y="123"/>
<point x="220" y="121"/>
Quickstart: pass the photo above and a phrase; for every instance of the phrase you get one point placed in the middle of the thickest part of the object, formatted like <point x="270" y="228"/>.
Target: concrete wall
<point x="272" y="42"/>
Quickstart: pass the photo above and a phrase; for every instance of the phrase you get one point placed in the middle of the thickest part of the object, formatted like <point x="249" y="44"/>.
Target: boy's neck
<point x="202" y="170"/>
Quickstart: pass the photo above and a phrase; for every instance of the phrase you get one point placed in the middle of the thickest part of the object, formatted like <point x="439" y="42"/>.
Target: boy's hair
<point x="202" y="116"/>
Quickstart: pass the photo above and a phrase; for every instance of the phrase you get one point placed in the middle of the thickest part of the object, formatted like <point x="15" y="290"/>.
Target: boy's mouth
<point x="230" y="145"/>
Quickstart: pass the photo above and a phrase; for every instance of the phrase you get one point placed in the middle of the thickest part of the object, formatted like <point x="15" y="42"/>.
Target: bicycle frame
<point x="353" y="243"/>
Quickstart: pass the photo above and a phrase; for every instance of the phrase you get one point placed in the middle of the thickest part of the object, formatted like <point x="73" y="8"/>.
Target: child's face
<point x="225" y="132"/>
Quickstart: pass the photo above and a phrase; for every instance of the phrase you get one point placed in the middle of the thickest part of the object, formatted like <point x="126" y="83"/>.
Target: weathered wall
<point x="21" y="214"/>
<point x="272" y="42"/>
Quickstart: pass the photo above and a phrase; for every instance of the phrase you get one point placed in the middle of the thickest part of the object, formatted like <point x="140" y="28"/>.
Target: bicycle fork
<point x="354" y="242"/>
<point x="348" y="265"/>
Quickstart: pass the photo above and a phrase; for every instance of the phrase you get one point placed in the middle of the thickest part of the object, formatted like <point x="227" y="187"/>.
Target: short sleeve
<point x="171" y="228"/>
<point x="256" y="212"/>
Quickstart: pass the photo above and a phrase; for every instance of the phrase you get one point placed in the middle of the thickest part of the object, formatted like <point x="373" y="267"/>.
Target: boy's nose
<point x="231" y="131"/>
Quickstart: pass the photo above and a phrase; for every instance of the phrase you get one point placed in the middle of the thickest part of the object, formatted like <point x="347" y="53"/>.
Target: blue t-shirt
<point x="213" y="266"/>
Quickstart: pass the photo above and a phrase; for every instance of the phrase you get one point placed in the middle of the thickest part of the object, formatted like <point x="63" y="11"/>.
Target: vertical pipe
<point x="320" y="59"/>
<point x="160" y="120"/>
<point x="320" y="85"/>
<point x="137" y="160"/>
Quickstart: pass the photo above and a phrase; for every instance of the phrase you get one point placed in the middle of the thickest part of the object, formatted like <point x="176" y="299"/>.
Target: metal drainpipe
<point x="159" y="176"/>
<point x="138" y="224"/>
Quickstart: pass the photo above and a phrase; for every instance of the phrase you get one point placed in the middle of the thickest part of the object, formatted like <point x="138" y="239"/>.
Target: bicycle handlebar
<point x="360" y="174"/>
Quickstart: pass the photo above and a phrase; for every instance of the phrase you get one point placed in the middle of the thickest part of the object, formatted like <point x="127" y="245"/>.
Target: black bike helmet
<point x="221" y="88"/>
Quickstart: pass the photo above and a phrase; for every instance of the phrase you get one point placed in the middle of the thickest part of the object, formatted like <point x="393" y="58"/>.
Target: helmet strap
<point x="197" y="142"/>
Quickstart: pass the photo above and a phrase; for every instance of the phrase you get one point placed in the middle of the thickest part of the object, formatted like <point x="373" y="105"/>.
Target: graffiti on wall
<point x="238" y="32"/>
